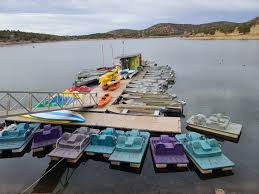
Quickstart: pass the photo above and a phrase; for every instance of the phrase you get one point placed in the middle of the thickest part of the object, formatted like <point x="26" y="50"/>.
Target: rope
<point x="26" y="189"/>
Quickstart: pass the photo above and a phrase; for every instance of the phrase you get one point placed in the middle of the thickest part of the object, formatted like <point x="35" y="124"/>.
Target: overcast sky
<point x="74" y="17"/>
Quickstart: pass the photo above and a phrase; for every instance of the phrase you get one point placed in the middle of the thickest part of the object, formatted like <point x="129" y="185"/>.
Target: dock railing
<point x="13" y="103"/>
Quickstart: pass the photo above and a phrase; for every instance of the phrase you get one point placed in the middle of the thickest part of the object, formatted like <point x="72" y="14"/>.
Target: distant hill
<point x="158" y="30"/>
<point x="10" y="36"/>
<point x="170" y="29"/>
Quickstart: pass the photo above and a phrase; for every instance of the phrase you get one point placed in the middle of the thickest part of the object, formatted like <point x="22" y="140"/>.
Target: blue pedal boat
<point x="205" y="153"/>
<point x="130" y="148"/>
<point x="17" y="138"/>
<point x="104" y="142"/>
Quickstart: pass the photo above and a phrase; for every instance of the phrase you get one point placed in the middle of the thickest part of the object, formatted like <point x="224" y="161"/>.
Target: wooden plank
<point x="161" y="165"/>
<point x="219" y="133"/>
<point x="147" y="123"/>
<point x="38" y="149"/>
<point x="114" y="94"/>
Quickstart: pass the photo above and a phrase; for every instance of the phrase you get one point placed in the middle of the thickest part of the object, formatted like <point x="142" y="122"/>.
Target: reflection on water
<point x="212" y="76"/>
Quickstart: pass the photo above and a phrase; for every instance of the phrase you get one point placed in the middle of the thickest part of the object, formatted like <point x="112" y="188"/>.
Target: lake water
<point x="212" y="76"/>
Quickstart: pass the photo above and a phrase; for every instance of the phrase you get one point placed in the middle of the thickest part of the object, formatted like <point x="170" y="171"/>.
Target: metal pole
<point x="30" y="101"/>
<point x="112" y="55"/>
<point x="123" y="48"/>
<point x="103" y="55"/>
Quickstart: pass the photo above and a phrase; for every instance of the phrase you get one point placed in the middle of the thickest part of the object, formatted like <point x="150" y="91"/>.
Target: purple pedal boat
<point x="167" y="150"/>
<point x="46" y="136"/>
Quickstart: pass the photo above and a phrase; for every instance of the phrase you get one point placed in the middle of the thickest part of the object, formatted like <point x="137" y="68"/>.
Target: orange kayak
<point x="104" y="100"/>
<point x="114" y="86"/>
<point x="105" y="87"/>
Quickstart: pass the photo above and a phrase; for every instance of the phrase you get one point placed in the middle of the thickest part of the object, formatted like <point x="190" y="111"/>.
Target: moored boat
<point x="16" y="137"/>
<point x="104" y="142"/>
<point x="46" y="136"/>
<point x="71" y="145"/>
<point x="217" y="124"/>
<point x="130" y="148"/>
<point x="205" y="153"/>
<point x="167" y="150"/>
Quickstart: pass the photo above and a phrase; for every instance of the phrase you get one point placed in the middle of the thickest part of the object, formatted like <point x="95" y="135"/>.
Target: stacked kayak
<point x="205" y="153"/>
<point x="127" y="73"/>
<point x="80" y="89"/>
<point x="16" y="137"/>
<point x="58" y="100"/>
<point x="110" y="80"/>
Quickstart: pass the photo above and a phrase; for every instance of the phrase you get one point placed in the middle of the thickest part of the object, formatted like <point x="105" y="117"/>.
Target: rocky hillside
<point x="169" y="29"/>
<point x="222" y="28"/>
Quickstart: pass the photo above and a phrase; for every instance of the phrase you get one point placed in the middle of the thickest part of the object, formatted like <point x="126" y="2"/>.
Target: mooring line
<point x="27" y="188"/>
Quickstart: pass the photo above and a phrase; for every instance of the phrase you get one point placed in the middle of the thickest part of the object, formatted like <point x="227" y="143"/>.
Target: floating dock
<point x="127" y="122"/>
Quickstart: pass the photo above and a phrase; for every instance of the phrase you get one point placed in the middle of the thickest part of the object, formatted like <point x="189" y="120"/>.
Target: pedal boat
<point x="216" y="124"/>
<point x="104" y="142"/>
<point x="17" y="137"/>
<point x="130" y="148"/>
<point x="46" y="136"/>
<point x="71" y="145"/>
<point x="167" y="150"/>
<point x="205" y="153"/>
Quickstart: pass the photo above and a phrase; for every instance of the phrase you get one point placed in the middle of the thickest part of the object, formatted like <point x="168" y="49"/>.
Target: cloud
<point x="90" y="16"/>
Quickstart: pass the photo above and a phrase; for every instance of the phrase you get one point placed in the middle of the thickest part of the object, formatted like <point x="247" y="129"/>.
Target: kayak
<point x="114" y="81"/>
<point x="114" y="86"/>
<point x="80" y="89"/>
<point x="104" y="100"/>
<point x="40" y="119"/>
<point x="105" y="87"/>
<point x="60" y="115"/>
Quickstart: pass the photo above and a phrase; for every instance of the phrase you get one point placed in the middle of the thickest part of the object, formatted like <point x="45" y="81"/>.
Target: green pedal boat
<point x="130" y="148"/>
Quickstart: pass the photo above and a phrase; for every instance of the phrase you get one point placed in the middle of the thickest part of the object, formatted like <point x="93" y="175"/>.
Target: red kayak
<point x="80" y="89"/>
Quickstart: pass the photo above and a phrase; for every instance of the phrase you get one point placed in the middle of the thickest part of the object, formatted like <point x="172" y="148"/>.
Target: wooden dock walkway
<point x="127" y="122"/>
<point x="116" y="94"/>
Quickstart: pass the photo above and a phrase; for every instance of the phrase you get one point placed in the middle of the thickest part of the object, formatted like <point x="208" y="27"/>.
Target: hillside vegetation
<point x="158" y="30"/>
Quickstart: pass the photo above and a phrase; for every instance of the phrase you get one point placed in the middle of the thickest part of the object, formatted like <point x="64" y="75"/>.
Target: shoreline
<point x="227" y="37"/>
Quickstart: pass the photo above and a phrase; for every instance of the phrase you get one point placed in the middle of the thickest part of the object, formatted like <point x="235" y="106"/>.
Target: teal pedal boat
<point x="130" y="148"/>
<point x="16" y="137"/>
<point x="205" y="153"/>
<point x="104" y="142"/>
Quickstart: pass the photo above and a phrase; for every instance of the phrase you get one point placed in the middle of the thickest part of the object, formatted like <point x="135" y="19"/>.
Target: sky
<point x="77" y="17"/>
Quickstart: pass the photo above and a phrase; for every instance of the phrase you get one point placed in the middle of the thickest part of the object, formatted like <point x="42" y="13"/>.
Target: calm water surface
<point x="212" y="76"/>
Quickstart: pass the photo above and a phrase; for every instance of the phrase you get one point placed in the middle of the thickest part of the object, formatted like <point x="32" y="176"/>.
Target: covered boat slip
<point x="127" y="122"/>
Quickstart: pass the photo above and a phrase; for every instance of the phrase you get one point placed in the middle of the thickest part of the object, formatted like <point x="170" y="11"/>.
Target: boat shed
<point x="130" y="61"/>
